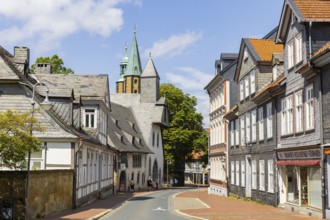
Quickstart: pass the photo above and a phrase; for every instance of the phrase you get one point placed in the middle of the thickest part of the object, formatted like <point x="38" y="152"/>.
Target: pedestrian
<point x="129" y="185"/>
<point x="149" y="183"/>
<point x="156" y="184"/>
<point x="175" y="181"/>
<point x="171" y="182"/>
<point x="132" y="185"/>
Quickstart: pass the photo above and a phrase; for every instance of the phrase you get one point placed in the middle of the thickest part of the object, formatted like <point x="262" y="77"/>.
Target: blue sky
<point x="185" y="37"/>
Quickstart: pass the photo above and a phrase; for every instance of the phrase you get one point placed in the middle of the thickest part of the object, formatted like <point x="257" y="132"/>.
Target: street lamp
<point x="167" y="169"/>
<point x="46" y="104"/>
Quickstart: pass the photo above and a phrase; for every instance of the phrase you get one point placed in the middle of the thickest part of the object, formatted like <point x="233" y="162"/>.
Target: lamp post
<point x="46" y="104"/>
<point x="167" y="170"/>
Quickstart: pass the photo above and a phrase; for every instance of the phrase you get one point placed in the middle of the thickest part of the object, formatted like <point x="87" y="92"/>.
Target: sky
<point x="184" y="37"/>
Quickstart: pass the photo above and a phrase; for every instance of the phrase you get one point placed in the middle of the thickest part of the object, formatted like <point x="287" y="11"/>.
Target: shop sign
<point x="302" y="154"/>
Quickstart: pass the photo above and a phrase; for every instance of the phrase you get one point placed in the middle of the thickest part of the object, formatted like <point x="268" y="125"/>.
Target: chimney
<point x="43" y="68"/>
<point x="22" y="59"/>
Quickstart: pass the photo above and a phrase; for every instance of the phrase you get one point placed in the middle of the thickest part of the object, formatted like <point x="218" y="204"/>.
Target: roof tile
<point x="265" y="48"/>
<point x="314" y="9"/>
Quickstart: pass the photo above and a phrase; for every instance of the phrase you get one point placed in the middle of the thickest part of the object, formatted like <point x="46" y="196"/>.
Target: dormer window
<point x="90" y="118"/>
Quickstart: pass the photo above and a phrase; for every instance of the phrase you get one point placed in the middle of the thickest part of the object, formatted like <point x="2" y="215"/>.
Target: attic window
<point x="293" y="18"/>
<point x="245" y="55"/>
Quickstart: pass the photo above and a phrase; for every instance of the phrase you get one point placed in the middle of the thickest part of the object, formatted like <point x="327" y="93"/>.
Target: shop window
<point x="314" y="195"/>
<point x="292" y="187"/>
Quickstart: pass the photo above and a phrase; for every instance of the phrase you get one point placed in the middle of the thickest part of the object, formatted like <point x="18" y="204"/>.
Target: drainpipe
<point x="322" y="147"/>
<point x="310" y="39"/>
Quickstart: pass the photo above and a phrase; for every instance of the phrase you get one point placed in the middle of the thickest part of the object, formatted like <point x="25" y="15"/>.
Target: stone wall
<point x="50" y="191"/>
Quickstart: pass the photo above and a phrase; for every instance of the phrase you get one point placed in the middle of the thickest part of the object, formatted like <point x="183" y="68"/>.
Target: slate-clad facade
<point x="252" y="125"/>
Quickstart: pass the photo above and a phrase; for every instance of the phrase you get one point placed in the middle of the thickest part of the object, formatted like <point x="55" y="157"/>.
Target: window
<point x="254" y="174"/>
<point x="270" y="176"/>
<point x="254" y="125"/>
<point x="290" y="55"/>
<point x="287" y="116"/>
<point x="153" y="138"/>
<point x="236" y="132"/>
<point x="237" y="173"/>
<point x="247" y="92"/>
<point x="232" y="138"/>
<point x="269" y="120"/>
<point x="241" y="88"/>
<point x="242" y="131"/>
<point x="261" y="123"/>
<point x="274" y="72"/>
<point x="232" y="175"/>
<point x="299" y="111"/>
<point x="261" y="174"/>
<point x="298" y="47"/>
<point x="137" y="161"/>
<point x="157" y="139"/>
<point x="309" y="107"/>
<point x="253" y="82"/>
<point x="248" y="127"/>
<point x="90" y="118"/>
<point x="243" y="173"/>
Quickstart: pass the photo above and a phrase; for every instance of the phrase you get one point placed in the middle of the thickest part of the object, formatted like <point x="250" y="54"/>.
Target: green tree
<point x="56" y="62"/>
<point x="185" y="133"/>
<point x="15" y="138"/>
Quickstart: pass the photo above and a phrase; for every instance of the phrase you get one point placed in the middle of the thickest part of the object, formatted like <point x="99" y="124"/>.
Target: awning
<point x="298" y="162"/>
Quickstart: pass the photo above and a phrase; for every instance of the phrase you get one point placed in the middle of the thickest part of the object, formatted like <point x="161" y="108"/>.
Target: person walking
<point x="149" y="183"/>
<point x="132" y="185"/>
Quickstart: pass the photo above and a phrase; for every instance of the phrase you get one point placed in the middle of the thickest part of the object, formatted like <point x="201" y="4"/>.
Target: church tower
<point x="150" y="83"/>
<point x="133" y="69"/>
<point x="123" y="66"/>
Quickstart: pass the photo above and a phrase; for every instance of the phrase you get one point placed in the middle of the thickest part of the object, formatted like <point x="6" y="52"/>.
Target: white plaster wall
<point x="59" y="153"/>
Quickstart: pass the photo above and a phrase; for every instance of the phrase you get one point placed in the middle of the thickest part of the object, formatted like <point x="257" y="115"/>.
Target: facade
<point x="221" y="91"/>
<point x="75" y="135"/>
<point x="252" y="125"/>
<point x="139" y="93"/>
<point x="302" y="124"/>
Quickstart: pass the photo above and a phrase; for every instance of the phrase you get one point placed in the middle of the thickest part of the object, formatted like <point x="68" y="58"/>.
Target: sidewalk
<point x="218" y="207"/>
<point x="196" y="203"/>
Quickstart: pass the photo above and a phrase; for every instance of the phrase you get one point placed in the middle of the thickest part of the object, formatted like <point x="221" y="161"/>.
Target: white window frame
<point x="241" y="88"/>
<point x="299" y="111"/>
<point x="254" y="125"/>
<point x="236" y="132"/>
<point x="290" y="55"/>
<point x="253" y="82"/>
<point x="232" y="169"/>
<point x="261" y="123"/>
<point x="237" y="173"/>
<point x="269" y="121"/>
<point x="309" y="103"/>
<point x="242" y="133"/>
<point x="270" y="165"/>
<point x="243" y="173"/>
<point x="89" y="116"/>
<point x="287" y="116"/>
<point x="254" y="174"/>
<point x="248" y="127"/>
<point x="274" y="72"/>
<point x="232" y="134"/>
<point x="247" y="89"/>
<point x="262" y="175"/>
<point x="298" y="48"/>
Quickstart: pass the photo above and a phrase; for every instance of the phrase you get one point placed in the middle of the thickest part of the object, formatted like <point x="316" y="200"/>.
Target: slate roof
<point x="5" y="72"/>
<point x="15" y="98"/>
<point x="122" y="128"/>
<point x="313" y="10"/>
<point x="150" y="69"/>
<point x="76" y="84"/>
<point x="265" y="48"/>
<point x="325" y="47"/>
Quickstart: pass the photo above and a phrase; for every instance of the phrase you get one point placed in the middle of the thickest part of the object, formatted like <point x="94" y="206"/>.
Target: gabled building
<point x="75" y="135"/>
<point x="252" y="125"/>
<point x="221" y="90"/>
<point x="302" y="132"/>
<point x="139" y="92"/>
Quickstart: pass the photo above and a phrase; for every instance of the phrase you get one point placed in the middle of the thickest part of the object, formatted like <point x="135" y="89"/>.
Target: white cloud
<point x="189" y="78"/>
<point x="48" y="22"/>
<point x="193" y="82"/>
<point x="174" y="45"/>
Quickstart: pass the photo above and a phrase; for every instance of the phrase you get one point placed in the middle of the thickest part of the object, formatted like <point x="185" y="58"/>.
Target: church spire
<point x="134" y="62"/>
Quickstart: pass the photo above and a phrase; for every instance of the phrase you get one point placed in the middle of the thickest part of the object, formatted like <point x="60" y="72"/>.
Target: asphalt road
<point x="157" y="205"/>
